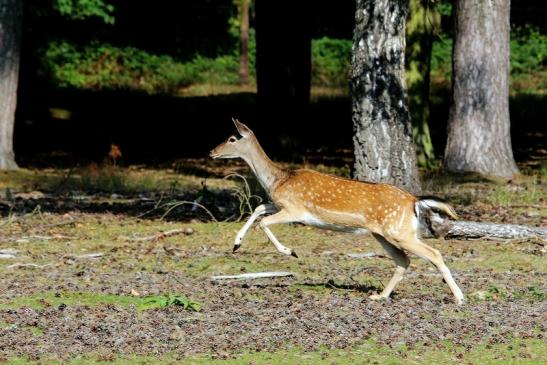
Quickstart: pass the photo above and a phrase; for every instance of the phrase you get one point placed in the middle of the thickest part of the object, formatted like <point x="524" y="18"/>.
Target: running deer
<point x="334" y="203"/>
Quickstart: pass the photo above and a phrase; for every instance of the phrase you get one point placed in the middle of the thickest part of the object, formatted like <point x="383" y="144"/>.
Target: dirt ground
<point x="76" y="269"/>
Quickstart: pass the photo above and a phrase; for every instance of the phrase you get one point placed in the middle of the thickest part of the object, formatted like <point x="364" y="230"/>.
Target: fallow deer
<point x="305" y="196"/>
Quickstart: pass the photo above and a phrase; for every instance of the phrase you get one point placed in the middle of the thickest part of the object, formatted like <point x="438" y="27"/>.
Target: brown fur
<point x="332" y="202"/>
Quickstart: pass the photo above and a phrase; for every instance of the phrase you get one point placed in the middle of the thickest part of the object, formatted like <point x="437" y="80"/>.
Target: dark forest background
<point x="160" y="80"/>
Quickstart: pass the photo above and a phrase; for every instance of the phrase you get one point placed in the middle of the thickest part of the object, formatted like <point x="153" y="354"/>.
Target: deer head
<point x="235" y="147"/>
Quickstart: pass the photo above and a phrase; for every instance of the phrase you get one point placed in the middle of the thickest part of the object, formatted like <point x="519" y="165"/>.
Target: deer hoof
<point x="377" y="297"/>
<point x="293" y="253"/>
<point x="236" y="247"/>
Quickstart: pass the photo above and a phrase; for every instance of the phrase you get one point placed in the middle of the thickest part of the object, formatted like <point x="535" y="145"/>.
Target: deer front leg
<point x="280" y="217"/>
<point x="260" y="210"/>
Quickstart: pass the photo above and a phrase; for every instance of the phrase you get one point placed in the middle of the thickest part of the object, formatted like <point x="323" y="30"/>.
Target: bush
<point x="222" y="70"/>
<point x="528" y="50"/>
<point x="330" y="61"/>
<point x="103" y="66"/>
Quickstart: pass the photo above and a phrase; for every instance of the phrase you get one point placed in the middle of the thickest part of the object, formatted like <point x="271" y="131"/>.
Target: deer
<point x="305" y="196"/>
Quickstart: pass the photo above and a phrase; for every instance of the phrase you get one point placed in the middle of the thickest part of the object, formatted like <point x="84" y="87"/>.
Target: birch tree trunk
<point x="11" y="13"/>
<point x="384" y="149"/>
<point x="479" y="137"/>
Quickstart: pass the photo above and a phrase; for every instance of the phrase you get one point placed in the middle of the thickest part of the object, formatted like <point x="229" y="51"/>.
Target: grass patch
<point x="43" y="300"/>
<point x="511" y="195"/>
<point x="521" y="351"/>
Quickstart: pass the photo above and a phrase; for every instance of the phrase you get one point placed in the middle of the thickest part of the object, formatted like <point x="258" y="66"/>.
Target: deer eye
<point x="232" y="139"/>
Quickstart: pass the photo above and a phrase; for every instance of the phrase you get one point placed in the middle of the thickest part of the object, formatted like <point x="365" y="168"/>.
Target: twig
<point x="251" y="276"/>
<point x="185" y="202"/>
<point x="161" y="235"/>
<point x="244" y="195"/>
<point x="51" y="225"/>
<point x="365" y="255"/>
<point x="32" y="266"/>
<point x="535" y="206"/>
<point x="85" y="256"/>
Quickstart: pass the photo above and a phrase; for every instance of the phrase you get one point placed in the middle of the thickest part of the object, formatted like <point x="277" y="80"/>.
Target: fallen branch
<point x="439" y="227"/>
<point x="161" y="235"/>
<point x="365" y="255"/>
<point x="251" y="276"/>
<point x="84" y="256"/>
<point x="32" y="266"/>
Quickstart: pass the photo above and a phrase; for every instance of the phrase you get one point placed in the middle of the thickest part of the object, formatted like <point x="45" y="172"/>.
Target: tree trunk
<point x="283" y="67"/>
<point x="479" y="139"/>
<point x="439" y="227"/>
<point x="420" y="27"/>
<point x="244" y="42"/>
<point x="11" y="13"/>
<point x="384" y="150"/>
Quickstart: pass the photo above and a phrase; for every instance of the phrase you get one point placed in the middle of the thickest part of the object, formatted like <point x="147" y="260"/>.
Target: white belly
<point x="311" y="220"/>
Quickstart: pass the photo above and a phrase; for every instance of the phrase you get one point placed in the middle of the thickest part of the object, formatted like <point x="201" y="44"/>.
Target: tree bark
<point x="244" y="42"/>
<point x="474" y="230"/>
<point x="420" y="26"/>
<point x="11" y="13"/>
<point x="479" y="137"/>
<point x="384" y="150"/>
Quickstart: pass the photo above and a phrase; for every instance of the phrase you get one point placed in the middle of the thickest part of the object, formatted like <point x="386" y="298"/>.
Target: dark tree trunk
<point x="10" y="36"/>
<point x="244" y="42"/>
<point x="283" y="66"/>
<point x="384" y="150"/>
<point x="479" y="139"/>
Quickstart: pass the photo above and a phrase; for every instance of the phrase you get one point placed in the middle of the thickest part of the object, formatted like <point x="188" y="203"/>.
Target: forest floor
<point x="109" y="264"/>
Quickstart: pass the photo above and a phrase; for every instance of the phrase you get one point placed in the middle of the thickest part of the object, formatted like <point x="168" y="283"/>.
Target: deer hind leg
<point x="417" y="247"/>
<point x="280" y="217"/>
<point x="260" y="210"/>
<point x="401" y="260"/>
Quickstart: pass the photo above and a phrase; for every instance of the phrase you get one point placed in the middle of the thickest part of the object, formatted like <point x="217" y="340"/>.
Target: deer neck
<point x="266" y="171"/>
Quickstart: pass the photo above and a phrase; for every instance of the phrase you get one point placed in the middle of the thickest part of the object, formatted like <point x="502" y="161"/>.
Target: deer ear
<point x="242" y="128"/>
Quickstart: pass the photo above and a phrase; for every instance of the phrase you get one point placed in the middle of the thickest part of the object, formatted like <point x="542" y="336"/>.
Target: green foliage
<point x="164" y="301"/>
<point x="330" y="61"/>
<point x="99" y="66"/>
<point x="103" y="66"/>
<point x="528" y="50"/>
<point x="222" y="70"/>
<point x="444" y="7"/>
<point x="83" y="9"/>
<point x="441" y="57"/>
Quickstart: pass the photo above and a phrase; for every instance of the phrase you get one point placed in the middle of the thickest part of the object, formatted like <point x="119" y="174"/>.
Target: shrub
<point x="528" y="50"/>
<point x="330" y="61"/>
<point x="103" y="66"/>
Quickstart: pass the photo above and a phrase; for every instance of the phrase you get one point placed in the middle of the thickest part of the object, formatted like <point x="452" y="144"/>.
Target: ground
<point x="90" y="255"/>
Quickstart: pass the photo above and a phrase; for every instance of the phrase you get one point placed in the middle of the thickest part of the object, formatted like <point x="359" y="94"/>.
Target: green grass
<point x="42" y="300"/>
<point x="521" y="351"/>
<point x="508" y="195"/>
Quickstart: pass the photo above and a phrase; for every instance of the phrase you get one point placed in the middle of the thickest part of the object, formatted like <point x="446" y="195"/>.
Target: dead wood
<point x="256" y="275"/>
<point x="467" y="230"/>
